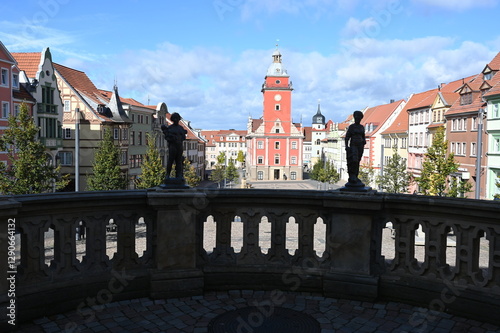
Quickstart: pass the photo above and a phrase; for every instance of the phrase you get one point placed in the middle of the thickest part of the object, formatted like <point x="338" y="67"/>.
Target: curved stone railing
<point x="57" y="273"/>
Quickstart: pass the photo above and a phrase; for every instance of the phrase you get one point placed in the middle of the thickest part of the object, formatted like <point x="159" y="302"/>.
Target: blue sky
<point x="207" y="59"/>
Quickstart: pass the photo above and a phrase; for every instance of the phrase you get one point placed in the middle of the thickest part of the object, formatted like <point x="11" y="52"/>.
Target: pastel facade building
<point x="12" y="93"/>
<point x="467" y="129"/>
<point x="38" y="75"/>
<point x="274" y="142"/>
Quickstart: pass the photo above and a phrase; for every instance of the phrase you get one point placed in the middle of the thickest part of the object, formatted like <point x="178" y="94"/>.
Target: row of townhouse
<point x="468" y="109"/>
<point x="73" y="113"/>
<point x="230" y="142"/>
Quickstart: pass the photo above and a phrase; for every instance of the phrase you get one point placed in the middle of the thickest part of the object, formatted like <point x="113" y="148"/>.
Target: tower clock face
<point x="277" y="97"/>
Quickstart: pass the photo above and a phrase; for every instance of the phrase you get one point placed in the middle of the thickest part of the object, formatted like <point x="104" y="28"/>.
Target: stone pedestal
<point x="174" y="183"/>
<point x="355" y="187"/>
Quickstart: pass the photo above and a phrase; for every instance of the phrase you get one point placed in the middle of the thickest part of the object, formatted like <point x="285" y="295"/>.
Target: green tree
<point x="437" y="168"/>
<point x="241" y="158"/>
<point x="232" y="172"/>
<point x="497" y="196"/>
<point x="219" y="173"/>
<point x="30" y="169"/>
<point x="366" y="174"/>
<point x="153" y="171"/>
<point x="325" y="172"/>
<point x="190" y="175"/>
<point x="106" y="170"/>
<point x="396" y="178"/>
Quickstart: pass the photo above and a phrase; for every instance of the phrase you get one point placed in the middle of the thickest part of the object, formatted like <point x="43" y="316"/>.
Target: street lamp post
<point x="77" y="149"/>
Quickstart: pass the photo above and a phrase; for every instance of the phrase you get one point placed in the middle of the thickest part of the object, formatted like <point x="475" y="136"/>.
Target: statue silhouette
<point x="175" y="135"/>
<point x="354" y="145"/>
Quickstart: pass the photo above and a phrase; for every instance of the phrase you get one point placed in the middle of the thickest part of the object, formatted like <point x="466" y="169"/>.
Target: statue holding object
<point x="175" y="135"/>
<point x="354" y="145"/>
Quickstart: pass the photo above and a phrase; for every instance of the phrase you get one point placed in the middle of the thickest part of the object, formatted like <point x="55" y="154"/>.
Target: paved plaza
<point x="194" y="314"/>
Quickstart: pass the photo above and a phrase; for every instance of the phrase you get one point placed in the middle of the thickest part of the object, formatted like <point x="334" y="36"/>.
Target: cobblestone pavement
<point x="193" y="314"/>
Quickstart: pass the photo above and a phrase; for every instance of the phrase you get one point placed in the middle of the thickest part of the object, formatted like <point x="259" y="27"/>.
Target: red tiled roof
<point x="449" y="98"/>
<point x="28" y="62"/>
<point x="495" y="90"/>
<point x="307" y="133"/>
<point x="80" y="81"/>
<point x="22" y="94"/>
<point x="477" y="103"/>
<point x="400" y="124"/>
<point x="494" y="64"/>
<point x="435" y="125"/>
<point x="378" y="115"/>
<point x="107" y="94"/>
<point x="256" y="124"/>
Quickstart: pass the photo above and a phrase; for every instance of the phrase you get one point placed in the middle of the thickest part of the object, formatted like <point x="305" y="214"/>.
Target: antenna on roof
<point x="148" y="99"/>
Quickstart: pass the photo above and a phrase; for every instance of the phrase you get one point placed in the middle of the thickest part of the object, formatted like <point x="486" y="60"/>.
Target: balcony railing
<point x="47" y="108"/>
<point x="51" y="143"/>
<point x="159" y="248"/>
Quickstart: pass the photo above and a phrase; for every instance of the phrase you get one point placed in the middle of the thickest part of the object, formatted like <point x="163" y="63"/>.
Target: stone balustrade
<point x="174" y="262"/>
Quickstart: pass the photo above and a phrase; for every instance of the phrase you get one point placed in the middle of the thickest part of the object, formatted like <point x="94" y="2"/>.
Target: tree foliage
<point x="324" y="172"/>
<point x="153" y="171"/>
<point x="497" y="196"/>
<point x="366" y="174"/>
<point x="395" y="178"/>
<point x="30" y="169"/>
<point x="107" y="174"/>
<point x="241" y="157"/>
<point x="231" y="172"/>
<point x="219" y="173"/>
<point x="190" y="175"/>
<point x="437" y="168"/>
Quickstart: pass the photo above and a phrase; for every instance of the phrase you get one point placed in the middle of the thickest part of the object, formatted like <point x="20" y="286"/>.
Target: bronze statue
<point x="175" y="135"/>
<point x="354" y="145"/>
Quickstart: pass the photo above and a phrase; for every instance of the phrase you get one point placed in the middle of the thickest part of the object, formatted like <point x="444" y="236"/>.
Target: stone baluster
<point x="466" y="256"/>
<point x="147" y="258"/>
<point x="435" y="250"/>
<point x="33" y="266"/>
<point x="494" y="261"/>
<point x="95" y="259"/>
<point x="305" y="221"/>
<point x="404" y="241"/>
<point x="223" y="252"/>
<point x="251" y="252"/>
<point x="64" y="247"/>
<point x="126" y="256"/>
<point x="278" y="252"/>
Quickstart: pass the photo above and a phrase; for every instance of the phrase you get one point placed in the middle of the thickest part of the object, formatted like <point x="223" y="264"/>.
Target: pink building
<point x="274" y="142"/>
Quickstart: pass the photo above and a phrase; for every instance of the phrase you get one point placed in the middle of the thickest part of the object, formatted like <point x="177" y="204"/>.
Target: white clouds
<point x="461" y="5"/>
<point x="253" y="8"/>
<point x="215" y="91"/>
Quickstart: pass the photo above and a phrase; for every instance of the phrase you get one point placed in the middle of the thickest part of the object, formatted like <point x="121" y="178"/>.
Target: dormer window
<point x="488" y="76"/>
<point x="466" y="99"/>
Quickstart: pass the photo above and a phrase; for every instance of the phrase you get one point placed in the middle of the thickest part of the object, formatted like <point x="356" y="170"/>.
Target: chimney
<point x="392" y="101"/>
